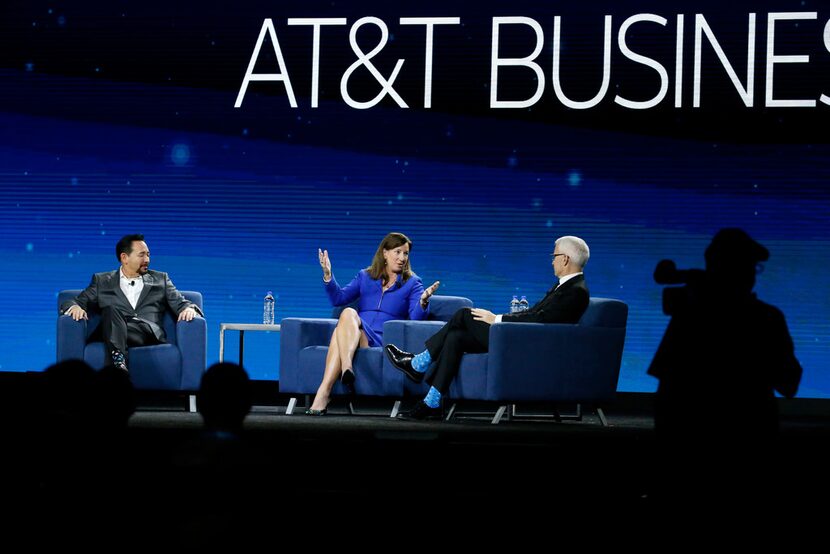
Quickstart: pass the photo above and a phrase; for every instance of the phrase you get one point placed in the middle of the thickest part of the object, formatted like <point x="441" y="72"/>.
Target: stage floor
<point x="162" y="481"/>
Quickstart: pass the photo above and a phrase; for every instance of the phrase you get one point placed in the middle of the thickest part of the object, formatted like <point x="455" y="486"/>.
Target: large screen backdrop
<point x="240" y="137"/>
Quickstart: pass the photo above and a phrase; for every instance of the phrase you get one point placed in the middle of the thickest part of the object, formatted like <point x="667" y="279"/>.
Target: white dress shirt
<point x="131" y="287"/>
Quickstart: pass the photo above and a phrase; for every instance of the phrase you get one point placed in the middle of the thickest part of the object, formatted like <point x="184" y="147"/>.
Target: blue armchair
<point x="304" y="346"/>
<point x="535" y="362"/>
<point x="177" y="365"/>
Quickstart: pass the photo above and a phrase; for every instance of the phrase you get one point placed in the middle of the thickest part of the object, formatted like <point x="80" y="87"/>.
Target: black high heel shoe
<point x="313" y="412"/>
<point x="347" y="378"/>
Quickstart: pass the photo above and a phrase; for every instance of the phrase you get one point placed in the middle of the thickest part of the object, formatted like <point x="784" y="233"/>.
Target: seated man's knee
<point x="110" y="314"/>
<point x="462" y="314"/>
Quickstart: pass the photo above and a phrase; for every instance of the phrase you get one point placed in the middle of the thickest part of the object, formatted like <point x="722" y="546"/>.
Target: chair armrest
<point x="191" y="337"/>
<point x="297" y="333"/>
<point x="71" y="338"/>
<point x="410" y="335"/>
<point x="554" y="362"/>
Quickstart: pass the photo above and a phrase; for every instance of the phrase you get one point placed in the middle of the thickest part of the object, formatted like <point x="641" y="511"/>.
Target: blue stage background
<point x="95" y="143"/>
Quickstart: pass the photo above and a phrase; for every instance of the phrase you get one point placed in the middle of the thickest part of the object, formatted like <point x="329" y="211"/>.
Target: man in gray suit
<point x="132" y="301"/>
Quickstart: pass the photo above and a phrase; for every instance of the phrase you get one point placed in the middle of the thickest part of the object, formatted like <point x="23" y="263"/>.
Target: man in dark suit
<point x="469" y="328"/>
<point x="132" y="301"/>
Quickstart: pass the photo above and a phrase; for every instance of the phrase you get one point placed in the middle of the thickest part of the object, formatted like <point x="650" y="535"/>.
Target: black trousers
<point x="119" y="332"/>
<point x="461" y="334"/>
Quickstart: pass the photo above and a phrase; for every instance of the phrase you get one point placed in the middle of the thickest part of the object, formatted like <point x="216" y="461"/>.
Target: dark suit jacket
<point x="564" y="304"/>
<point x="159" y="294"/>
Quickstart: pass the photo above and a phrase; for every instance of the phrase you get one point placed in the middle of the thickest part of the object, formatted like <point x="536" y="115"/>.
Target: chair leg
<point x="499" y="414"/>
<point x="602" y="418"/>
<point x="451" y="412"/>
<point x="395" y="409"/>
<point x="291" y="403"/>
<point x="191" y="403"/>
<point x="351" y="408"/>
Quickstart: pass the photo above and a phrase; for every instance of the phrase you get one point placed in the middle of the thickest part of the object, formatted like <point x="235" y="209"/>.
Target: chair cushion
<point x="471" y="381"/>
<point x="368" y="368"/>
<point x="157" y="367"/>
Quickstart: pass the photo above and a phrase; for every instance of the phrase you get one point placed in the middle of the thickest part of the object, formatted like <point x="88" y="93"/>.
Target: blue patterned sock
<point x="421" y="361"/>
<point x="433" y="398"/>
<point x="117" y="357"/>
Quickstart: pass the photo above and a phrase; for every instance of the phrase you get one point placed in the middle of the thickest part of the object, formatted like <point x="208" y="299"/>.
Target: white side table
<point x="241" y="327"/>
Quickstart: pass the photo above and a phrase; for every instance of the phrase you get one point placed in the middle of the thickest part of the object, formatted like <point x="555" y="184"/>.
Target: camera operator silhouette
<point x="724" y="352"/>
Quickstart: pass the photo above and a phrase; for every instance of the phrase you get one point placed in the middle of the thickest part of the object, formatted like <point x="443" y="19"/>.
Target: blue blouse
<point x="375" y="307"/>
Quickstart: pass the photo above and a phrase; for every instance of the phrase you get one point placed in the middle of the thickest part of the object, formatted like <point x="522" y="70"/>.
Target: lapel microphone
<point x="132" y="283"/>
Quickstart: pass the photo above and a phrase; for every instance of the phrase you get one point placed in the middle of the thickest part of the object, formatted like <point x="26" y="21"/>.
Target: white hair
<point x="576" y="249"/>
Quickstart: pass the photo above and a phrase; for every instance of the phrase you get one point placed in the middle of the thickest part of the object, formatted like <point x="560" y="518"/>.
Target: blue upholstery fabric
<point x="442" y="308"/>
<point x="534" y="361"/>
<point x="177" y="365"/>
<point x="304" y="346"/>
<point x="303" y="350"/>
<point x="368" y="382"/>
<point x="297" y="334"/>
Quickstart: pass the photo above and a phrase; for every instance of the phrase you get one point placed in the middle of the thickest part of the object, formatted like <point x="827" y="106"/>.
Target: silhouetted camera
<point x="677" y="299"/>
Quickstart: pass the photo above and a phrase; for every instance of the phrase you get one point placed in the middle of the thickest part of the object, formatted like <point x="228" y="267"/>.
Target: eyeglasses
<point x="554" y="255"/>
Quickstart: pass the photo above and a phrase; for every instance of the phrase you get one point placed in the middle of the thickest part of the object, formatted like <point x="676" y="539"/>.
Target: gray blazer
<point x="159" y="294"/>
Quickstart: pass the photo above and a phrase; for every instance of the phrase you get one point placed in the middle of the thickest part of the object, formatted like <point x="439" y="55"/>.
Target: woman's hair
<point x="389" y="242"/>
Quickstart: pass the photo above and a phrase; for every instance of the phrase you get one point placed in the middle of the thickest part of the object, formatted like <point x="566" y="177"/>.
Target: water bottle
<point x="524" y="305"/>
<point x="514" y="305"/>
<point x="268" y="309"/>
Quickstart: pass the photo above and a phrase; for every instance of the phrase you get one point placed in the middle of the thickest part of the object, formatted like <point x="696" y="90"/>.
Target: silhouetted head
<point x="116" y="397"/>
<point x="224" y="397"/>
<point x="70" y="388"/>
<point x="733" y="258"/>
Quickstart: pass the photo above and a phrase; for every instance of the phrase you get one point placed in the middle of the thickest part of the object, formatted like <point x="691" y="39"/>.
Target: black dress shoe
<point x="403" y="361"/>
<point x="421" y="412"/>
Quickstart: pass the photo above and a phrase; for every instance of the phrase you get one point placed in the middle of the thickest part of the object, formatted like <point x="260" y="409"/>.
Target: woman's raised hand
<point x="429" y="292"/>
<point x="325" y="263"/>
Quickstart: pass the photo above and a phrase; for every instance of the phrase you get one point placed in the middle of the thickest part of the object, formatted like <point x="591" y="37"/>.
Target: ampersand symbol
<point x="363" y="60"/>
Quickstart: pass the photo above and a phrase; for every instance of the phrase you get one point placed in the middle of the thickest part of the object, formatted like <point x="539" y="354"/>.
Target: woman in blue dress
<point x="387" y="289"/>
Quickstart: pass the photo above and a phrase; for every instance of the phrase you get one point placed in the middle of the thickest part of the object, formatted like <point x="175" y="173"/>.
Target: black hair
<point x="125" y="245"/>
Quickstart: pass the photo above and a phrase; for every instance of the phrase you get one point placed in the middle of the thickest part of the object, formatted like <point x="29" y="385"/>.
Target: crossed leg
<point x="346" y="339"/>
